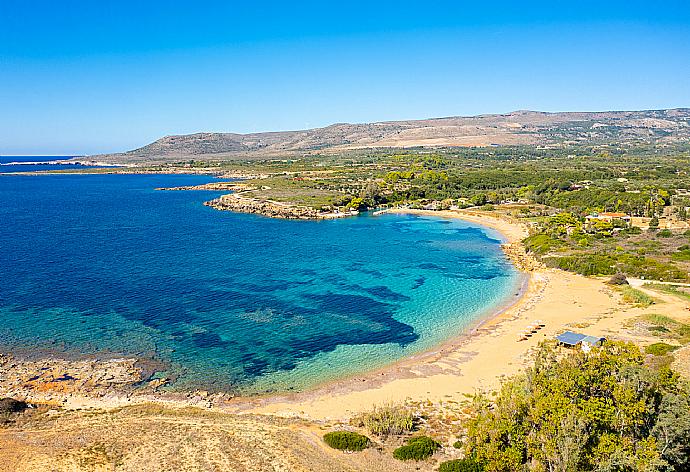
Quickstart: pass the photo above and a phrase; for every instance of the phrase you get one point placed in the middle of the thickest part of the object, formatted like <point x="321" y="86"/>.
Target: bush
<point x="542" y="243"/>
<point x="611" y="263"/>
<point x="346" y="441"/>
<point x="386" y="419"/>
<point x="659" y="349"/>
<point x="457" y="444"/>
<point x="417" y="449"/>
<point x="565" y="413"/>
<point x="461" y="465"/>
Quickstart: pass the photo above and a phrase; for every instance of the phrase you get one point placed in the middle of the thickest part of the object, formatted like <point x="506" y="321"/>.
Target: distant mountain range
<point x="518" y="127"/>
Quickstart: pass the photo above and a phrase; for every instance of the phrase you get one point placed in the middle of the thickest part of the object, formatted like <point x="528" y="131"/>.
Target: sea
<point x="108" y="266"/>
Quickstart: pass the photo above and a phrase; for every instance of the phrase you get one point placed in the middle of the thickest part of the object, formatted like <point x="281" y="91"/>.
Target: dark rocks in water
<point x="10" y="405"/>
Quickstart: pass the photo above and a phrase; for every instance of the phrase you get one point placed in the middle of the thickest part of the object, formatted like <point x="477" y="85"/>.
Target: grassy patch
<point x="670" y="289"/>
<point x="668" y="326"/>
<point x="611" y="263"/>
<point x="660" y="349"/>
<point x="636" y="297"/>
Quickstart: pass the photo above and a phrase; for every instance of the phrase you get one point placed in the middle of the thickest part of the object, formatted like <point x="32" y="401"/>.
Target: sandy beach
<point x="98" y="406"/>
<point x="476" y="360"/>
<point x="479" y="360"/>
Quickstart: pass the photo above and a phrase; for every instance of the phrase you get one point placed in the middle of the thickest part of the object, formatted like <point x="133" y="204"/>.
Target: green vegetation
<point x="676" y="290"/>
<point x="554" y="188"/>
<point x="386" y="420"/>
<point x="417" y="448"/>
<point x="668" y="327"/>
<point x="660" y="349"/>
<point x="603" y="411"/>
<point x="635" y="296"/>
<point x="461" y="465"/>
<point x="609" y="264"/>
<point x="346" y="441"/>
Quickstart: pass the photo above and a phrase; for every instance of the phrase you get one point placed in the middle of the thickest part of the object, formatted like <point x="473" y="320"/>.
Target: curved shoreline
<point x="478" y="359"/>
<point x="402" y="368"/>
<point x="512" y="232"/>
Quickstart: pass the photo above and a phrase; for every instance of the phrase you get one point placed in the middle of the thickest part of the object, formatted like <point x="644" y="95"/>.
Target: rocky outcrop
<point x="238" y="203"/>
<point x="10" y="405"/>
<point x="52" y="378"/>
<point x="523" y="260"/>
<point x="222" y="186"/>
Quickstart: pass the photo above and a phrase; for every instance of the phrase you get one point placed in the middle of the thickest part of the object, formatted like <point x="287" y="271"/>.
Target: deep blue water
<point x="12" y="164"/>
<point x="106" y="264"/>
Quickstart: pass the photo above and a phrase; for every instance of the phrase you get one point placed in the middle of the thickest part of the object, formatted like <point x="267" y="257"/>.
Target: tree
<point x="478" y="199"/>
<point x="672" y="430"/>
<point x="598" y="411"/>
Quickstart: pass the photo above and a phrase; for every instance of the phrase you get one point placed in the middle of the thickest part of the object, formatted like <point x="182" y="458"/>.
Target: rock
<point x="10" y="405"/>
<point x="155" y="383"/>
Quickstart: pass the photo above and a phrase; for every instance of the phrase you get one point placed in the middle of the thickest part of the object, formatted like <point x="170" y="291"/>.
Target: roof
<point x="613" y="215"/>
<point x="570" y="338"/>
<point x="592" y="339"/>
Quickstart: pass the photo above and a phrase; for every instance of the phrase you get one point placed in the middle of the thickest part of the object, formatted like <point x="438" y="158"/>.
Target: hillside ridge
<point x="520" y="127"/>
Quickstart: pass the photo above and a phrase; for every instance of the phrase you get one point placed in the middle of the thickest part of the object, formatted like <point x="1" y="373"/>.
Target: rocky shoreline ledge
<point x="91" y="382"/>
<point x="238" y="203"/>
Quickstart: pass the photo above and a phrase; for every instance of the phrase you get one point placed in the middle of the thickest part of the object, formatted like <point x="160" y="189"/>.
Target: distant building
<point x="608" y="217"/>
<point x="583" y="341"/>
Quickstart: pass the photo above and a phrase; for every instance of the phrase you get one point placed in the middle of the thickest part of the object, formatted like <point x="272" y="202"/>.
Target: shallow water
<point x="107" y="264"/>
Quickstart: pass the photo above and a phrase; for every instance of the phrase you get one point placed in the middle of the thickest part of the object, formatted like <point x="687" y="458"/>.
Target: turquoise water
<point x="107" y="265"/>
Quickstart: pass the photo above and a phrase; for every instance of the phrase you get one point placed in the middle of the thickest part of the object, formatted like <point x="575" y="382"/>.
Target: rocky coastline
<point x="238" y="203"/>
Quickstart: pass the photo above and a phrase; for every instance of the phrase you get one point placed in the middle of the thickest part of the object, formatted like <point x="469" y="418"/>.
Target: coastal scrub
<point x="384" y="420"/>
<point x="417" y="448"/>
<point x="346" y="441"/>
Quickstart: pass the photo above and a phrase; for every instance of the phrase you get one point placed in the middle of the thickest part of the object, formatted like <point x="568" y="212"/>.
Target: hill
<point x="515" y="128"/>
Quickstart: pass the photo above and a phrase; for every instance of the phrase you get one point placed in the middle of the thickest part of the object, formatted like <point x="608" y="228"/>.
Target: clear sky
<point x="82" y="77"/>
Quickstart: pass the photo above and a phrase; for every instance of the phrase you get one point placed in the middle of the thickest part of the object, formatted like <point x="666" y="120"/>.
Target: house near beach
<point x="607" y="217"/>
<point x="585" y="342"/>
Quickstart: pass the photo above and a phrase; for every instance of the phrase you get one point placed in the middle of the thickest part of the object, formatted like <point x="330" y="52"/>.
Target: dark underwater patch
<point x="385" y="293"/>
<point x="207" y="340"/>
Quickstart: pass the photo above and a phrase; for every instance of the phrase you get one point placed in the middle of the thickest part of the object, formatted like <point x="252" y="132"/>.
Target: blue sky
<point x="82" y="77"/>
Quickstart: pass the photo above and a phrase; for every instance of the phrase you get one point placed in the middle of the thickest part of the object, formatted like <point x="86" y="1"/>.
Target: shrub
<point x="542" y="243"/>
<point x="346" y="441"/>
<point x="565" y="412"/>
<point x="659" y="349"/>
<point x="457" y="444"/>
<point x="418" y="448"/>
<point x="664" y="233"/>
<point x="683" y="254"/>
<point x="386" y="419"/>
<point x="461" y="465"/>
